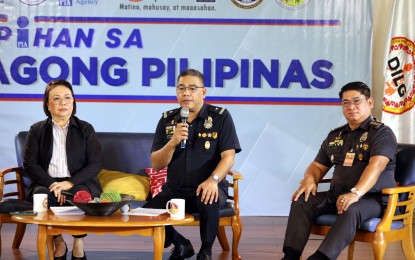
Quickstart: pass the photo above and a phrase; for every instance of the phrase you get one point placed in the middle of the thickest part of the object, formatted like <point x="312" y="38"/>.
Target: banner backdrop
<point x="398" y="101"/>
<point x="276" y="65"/>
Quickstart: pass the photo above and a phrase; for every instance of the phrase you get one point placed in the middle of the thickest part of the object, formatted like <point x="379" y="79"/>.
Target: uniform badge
<point x="332" y="158"/>
<point x="215" y="135"/>
<point x="207" y="145"/>
<point x="365" y="147"/>
<point x="363" y="137"/>
<point x="360" y="156"/>
<point x="208" y="123"/>
<point x="209" y="135"/>
<point x="204" y="135"/>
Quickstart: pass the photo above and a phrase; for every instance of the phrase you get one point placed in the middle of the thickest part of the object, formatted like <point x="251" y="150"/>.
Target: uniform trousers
<point x="209" y="213"/>
<point x="302" y="214"/>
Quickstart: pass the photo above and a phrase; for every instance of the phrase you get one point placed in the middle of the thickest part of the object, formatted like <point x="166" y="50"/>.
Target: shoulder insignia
<point x="337" y="128"/>
<point x="171" y="112"/>
<point x="218" y="110"/>
<point x="375" y="123"/>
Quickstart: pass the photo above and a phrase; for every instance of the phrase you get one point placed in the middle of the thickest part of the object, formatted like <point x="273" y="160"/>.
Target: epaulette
<point x="171" y="112"/>
<point x="338" y="128"/>
<point x="375" y="123"/>
<point x="218" y="110"/>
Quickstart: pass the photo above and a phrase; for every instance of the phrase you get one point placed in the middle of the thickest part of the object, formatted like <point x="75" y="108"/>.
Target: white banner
<point x="398" y="102"/>
<point x="276" y="65"/>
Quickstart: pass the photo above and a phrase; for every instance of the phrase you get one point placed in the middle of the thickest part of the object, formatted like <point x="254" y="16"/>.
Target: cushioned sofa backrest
<point x="126" y="152"/>
<point x="405" y="164"/>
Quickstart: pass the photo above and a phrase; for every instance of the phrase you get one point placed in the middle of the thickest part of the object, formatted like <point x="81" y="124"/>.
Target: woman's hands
<point x="57" y="187"/>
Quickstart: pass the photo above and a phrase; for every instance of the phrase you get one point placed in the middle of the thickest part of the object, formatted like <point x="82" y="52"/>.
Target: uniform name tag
<point x="348" y="161"/>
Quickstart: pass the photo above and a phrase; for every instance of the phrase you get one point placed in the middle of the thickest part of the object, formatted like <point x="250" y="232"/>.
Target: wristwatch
<point x="357" y="192"/>
<point x="215" y="178"/>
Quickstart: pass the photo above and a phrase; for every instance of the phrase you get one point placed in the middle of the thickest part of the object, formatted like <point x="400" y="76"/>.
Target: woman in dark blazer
<point x="62" y="153"/>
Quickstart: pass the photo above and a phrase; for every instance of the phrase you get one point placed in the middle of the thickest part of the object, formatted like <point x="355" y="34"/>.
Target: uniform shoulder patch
<point x="337" y="128"/>
<point x="375" y="123"/>
<point x="218" y="110"/>
<point x="171" y="112"/>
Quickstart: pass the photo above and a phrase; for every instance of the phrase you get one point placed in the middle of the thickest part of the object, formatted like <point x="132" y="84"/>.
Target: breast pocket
<point x="335" y="154"/>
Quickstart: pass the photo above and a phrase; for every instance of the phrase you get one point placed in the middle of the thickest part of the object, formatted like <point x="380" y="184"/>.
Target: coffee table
<point x="50" y="224"/>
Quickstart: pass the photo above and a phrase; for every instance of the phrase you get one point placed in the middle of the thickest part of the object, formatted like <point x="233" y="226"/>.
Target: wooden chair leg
<point x="1" y="224"/>
<point x="237" y="232"/>
<point x="350" y="251"/>
<point x="407" y="247"/>
<point x="379" y="250"/>
<point x="222" y="238"/>
<point x="18" y="236"/>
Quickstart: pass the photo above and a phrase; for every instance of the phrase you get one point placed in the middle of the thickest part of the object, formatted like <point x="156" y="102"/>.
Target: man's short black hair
<point x="358" y="86"/>
<point x="192" y="72"/>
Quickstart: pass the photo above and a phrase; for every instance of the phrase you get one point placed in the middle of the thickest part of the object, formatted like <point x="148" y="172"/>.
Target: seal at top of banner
<point x="246" y="4"/>
<point x="293" y="4"/>
<point x="399" y="71"/>
<point x="32" y="2"/>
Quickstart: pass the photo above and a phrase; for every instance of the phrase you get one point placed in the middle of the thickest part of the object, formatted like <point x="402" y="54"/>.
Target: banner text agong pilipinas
<point x="26" y="70"/>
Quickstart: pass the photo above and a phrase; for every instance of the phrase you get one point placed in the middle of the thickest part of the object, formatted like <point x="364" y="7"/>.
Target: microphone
<point x="184" y="113"/>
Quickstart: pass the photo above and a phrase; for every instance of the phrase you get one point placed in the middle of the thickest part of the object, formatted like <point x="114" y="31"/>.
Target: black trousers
<point x="302" y="214"/>
<point x="209" y="213"/>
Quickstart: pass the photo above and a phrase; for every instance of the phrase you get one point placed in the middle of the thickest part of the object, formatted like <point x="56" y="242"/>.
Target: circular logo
<point x="32" y="2"/>
<point x="45" y="203"/>
<point x="398" y="96"/>
<point x="293" y="4"/>
<point x="246" y="4"/>
<point x="174" y="208"/>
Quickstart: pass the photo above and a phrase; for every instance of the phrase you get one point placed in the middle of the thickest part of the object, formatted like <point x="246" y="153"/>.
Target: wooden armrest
<point x="236" y="176"/>
<point x="325" y="180"/>
<point x="393" y="203"/>
<point x="398" y="190"/>
<point x="18" y="180"/>
<point x="17" y="170"/>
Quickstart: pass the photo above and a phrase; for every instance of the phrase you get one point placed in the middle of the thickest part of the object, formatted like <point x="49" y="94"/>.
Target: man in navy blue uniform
<point x="196" y="172"/>
<point x="363" y="155"/>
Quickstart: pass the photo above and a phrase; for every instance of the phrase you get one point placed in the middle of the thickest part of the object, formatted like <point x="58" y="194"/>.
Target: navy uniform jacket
<point x="83" y="152"/>
<point x="211" y="133"/>
<point x="369" y="139"/>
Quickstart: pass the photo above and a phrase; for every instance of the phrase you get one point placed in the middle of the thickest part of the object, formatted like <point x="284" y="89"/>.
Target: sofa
<point x="123" y="154"/>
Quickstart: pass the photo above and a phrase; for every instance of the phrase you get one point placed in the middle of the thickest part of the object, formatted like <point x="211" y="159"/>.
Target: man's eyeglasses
<point x="191" y="89"/>
<point x="354" y="102"/>
<point x="58" y="100"/>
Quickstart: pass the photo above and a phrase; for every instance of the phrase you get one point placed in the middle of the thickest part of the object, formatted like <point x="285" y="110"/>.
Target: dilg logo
<point x="399" y="77"/>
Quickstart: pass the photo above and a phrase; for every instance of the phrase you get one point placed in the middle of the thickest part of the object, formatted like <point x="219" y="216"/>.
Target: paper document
<point x="145" y="212"/>
<point x="67" y="210"/>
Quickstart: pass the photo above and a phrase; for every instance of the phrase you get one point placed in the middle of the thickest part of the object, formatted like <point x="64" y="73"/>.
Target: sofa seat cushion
<point x="9" y="205"/>
<point x="125" y="183"/>
<point x="368" y="225"/>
